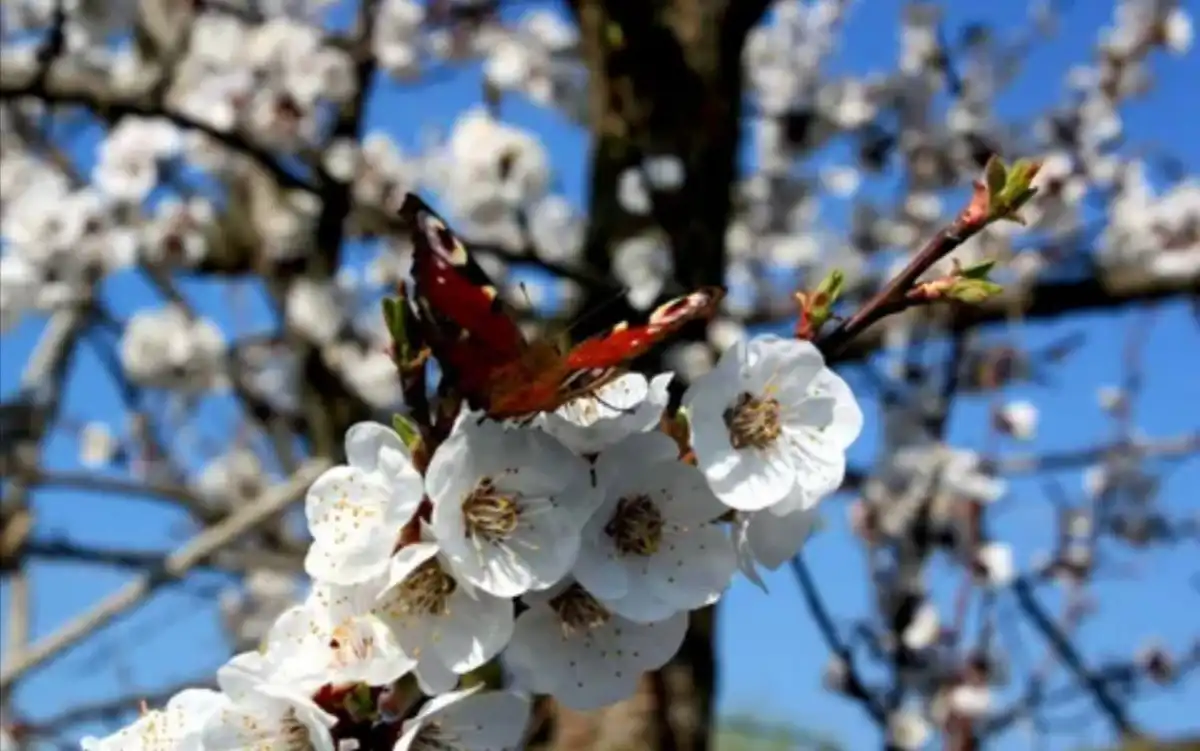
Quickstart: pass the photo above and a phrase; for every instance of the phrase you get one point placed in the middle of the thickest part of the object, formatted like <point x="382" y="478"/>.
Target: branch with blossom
<point x="233" y="155"/>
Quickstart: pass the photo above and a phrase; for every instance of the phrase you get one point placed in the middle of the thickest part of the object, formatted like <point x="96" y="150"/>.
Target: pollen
<point x="753" y="422"/>
<point x="490" y="515"/>
<point x="294" y="735"/>
<point x="636" y="527"/>
<point x="426" y="591"/>
<point x="577" y="611"/>
<point x="434" y="737"/>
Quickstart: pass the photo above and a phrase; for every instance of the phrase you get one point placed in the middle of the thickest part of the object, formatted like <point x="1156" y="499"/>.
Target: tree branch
<point x="1047" y="300"/>
<point x="1107" y="703"/>
<point x="203" y="545"/>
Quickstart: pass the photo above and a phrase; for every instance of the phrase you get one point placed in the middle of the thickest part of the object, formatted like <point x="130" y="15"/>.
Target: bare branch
<point x="187" y="557"/>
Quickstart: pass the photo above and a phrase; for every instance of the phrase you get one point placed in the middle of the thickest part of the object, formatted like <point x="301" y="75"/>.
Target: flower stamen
<point x="294" y="734"/>
<point x="753" y="422"/>
<point x="578" y="611"/>
<point x="426" y="591"/>
<point x="433" y="737"/>
<point x="636" y="527"/>
<point x="490" y="515"/>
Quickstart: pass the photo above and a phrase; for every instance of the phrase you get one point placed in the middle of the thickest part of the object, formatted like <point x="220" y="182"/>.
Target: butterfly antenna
<point x="595" y="310"/>
<point x="613" y="407"/>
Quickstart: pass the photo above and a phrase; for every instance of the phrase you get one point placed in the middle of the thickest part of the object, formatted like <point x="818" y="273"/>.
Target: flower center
<point x="349" y="646"/>
<point x="578" y="611"/>
<point x="293" y="733"/>
<point x="434" y="738"/>
<point x="753" y="422"/>
<point x="489" y="514"/>
<point x="636" y="527"/>
<point x="426" y="590"/>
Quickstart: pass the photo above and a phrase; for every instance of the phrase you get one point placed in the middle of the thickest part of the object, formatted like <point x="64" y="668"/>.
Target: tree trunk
<point x="665" y="81"/>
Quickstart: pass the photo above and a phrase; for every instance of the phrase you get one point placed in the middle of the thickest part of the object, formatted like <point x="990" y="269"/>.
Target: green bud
<point x="978" y="271"/>
<point x="407" y="430"/>
<point x="973" y="291"/>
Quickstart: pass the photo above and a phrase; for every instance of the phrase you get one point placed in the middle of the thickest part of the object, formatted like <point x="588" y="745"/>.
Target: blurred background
<point x="197" y="217"/>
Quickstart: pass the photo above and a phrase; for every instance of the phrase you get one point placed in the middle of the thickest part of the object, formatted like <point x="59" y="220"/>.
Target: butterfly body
<point x="479" y="345"/>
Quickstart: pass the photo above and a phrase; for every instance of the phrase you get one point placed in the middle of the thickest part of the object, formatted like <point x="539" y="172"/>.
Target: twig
<point x="176" y="565"/>
<point x="816" y="606"/>
<point x="1066" y="652"/>
<point x="108" y="708"/>
<point x="892" y="298"/>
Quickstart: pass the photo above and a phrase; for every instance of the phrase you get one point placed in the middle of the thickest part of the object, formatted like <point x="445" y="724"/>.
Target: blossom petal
<point x="474" y="631"/>
<point x="758" y="479"/>
<point x="775" y="539"/>
<point x="365" y="441"/>
<point x="693" y="569"/>
<point x="683" y="496"/>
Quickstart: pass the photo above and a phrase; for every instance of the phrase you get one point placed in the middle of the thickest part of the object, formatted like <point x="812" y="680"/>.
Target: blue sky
<point x="771" y="655"/>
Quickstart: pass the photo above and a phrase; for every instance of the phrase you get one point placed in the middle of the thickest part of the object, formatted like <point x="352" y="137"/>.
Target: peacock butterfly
<point x="479" y="346"/>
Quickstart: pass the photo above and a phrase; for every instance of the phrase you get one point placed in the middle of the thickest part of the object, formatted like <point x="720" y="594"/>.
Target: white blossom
<point x="440" y="619"/>
<point x="653" y="547"/>
<point x="467" y="720"/>
<point x="771" y="418"/>
<point x="335" y="637"/>
<point x="508" y="506"/>
<point x="176" y="234"/>
<point x="316" y="310"/>
<point x="19" y="283"/>
<point x="1020" y="419"/>
<point x="568" y="645"/>
<point x="995" y="561"/>
<point x="495" y="167"/>
<point x="971" y="700"/>
<point x="168" y="348"/>
<point x="355" y="511"/>
<point x="97" y="445"/>
<point x="925" y="628"/>
<point x="908" y="730"/>
<point x="264" y="711"/>
<point x="629" y="404"/>
<point x="177" y="726"/>
<point x="772" y="536"/>
<point x="642" y="263"/>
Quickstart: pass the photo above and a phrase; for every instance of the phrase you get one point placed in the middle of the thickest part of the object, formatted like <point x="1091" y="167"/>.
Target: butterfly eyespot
<point x="443" y="240"/>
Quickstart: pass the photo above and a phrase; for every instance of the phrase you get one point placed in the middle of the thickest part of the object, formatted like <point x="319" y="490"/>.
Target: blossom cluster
<point x="571" y="547"/>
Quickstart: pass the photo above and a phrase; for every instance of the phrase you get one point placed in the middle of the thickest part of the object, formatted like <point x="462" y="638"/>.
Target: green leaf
<point x="973" y="291"/>
<point x="359" y="703"/>
<point x="406" y="429"/>
<point x="831" y="286"/>
<point x="395" y="317"/>
<point x="996" y="177"/>
<point x="1017" y="190"/>
<point x="1022" y="173"/>
<point x="978" y="271"/>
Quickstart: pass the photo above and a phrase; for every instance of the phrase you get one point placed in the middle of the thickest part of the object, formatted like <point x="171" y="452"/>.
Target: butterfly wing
<point x="469" y="329"/>
<point x="598" y="359"/>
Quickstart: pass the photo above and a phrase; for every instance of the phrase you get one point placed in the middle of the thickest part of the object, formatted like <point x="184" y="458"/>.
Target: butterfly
<point x="475" y="338"/>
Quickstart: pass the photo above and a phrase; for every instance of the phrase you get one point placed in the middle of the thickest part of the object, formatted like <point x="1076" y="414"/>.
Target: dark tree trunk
<point x="665" y="80"/>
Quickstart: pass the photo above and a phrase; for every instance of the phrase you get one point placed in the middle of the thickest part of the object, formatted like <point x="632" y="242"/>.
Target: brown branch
<point x="205" y="544"/>
<point x="108" y="709"/>
<point x="16" y="83"/>
<point x="854" y="687"/>
<point x="1047" y="300"/>
<point x="1028" y="464"/>
<point x="1066" y="652"/>
<point x="892" y="298"/>
<point x="228" y="561"/>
